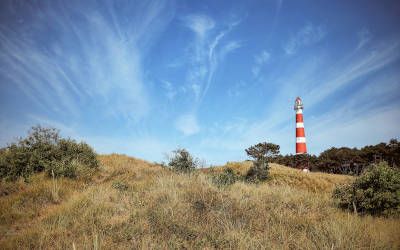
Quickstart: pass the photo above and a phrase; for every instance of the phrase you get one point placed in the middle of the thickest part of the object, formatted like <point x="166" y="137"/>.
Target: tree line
<point x="345" y="160"/>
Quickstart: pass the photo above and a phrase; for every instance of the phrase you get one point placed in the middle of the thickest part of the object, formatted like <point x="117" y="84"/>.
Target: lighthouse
<point x="300" y="134"/>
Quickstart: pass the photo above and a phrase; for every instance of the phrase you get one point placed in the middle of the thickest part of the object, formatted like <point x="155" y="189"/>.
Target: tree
<point x="394" y="153"/>
<point x="341" y="161"/>
<point x="263" y="150"/>
<point x="261" y="153"/>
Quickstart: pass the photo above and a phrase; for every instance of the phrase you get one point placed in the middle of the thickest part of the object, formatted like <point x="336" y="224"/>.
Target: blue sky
<point x="145" y="77"/>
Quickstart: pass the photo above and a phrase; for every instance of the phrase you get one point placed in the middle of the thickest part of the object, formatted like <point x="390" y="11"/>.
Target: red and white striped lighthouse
<point x="300" y="134"/>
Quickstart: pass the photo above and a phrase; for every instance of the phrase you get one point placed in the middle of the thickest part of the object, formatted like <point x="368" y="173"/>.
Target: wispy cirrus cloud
<point x="308" y="35"/>
<point x="170" y="90"/>
<point x="96" y="61"/>
<point x="207" y="51"/>
<point x="259" y="61"/>
<point x="359" y="65"/>
<point x="364" y="36"/>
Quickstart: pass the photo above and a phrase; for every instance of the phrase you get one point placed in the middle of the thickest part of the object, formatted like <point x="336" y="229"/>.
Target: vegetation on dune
<point x="226" y="178"/>
<point x="43" y="150"/>
<point x="133" y="204"/>
<point x="376" y="191"/>
<point x="182" y="161"/>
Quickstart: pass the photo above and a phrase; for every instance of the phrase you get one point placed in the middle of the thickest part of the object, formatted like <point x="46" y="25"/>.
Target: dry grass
<point x="133" y="204"/>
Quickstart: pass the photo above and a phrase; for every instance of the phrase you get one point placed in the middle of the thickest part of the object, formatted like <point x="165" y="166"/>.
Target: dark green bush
<point x="376" y="192"/>
<point x="226" y="178"/>
<point x="258" y="172"/>
<point x="181" y="161"/>
<point x="44" y="150"/>
<point x="14" y="163"/>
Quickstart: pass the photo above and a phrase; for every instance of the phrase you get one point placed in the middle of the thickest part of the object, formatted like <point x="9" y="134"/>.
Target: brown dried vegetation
<point x="130" y="203"/>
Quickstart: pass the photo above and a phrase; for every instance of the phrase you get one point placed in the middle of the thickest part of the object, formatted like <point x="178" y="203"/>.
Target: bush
<point x="181" y="161"/>
<point x="14" y="163"/>
<point x="63" y="168"/>
<point x="226" y="178"/>
<point x="258" y="172"/>
<point x="44" y="150"/>
<point x="376" y="192"/>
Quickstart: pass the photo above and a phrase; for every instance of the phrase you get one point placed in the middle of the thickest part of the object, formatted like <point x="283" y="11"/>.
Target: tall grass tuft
<point x="55" y="189"/>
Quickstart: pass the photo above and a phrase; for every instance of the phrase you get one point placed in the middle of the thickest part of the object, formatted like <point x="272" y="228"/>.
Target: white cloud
<point x="236" y="89"/>
<point x="262" y="57"/>
<point x="196" y="90"/>
<point x="187" y="124"/>
<point x="364" y="36"/>
<point x="170" y="90"/>
<point x="199" y="24"/>
<point x="306" y="36"/>
<point x="259" y="61"/>
<point x="230" y="47"/>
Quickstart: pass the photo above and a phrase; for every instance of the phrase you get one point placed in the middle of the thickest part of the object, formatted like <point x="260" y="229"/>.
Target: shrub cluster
<point x="226" y="178"/>
<point x="376" y="191"/>
<point x="181" y="161"/>
<point x="347" y="160"/>
<point x="43" y="150"/>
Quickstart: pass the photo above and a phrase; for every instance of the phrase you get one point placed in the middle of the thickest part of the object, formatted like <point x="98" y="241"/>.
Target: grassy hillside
<point x="130" y="203"/>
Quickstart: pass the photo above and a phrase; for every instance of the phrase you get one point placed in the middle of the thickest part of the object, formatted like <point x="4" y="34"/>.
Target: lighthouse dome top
<point x="298" y="104"/>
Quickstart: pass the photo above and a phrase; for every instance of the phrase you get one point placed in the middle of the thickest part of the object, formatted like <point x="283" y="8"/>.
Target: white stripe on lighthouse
<point x="299" y="125"/>
<point x="300" y="140"/>
<point x="299" y="111"/>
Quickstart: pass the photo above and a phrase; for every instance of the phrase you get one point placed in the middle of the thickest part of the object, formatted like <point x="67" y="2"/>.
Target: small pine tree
<point x="261" y="154"/>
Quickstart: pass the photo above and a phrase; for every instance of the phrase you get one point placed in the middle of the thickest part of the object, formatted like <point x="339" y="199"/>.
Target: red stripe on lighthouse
<point x="301" y="148"/>
<point x="299" y="117"/>
<point x="300" y="132"/>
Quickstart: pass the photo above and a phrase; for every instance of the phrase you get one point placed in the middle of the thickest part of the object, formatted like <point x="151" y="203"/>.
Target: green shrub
<point x="62" y="169"/>
<point x="14" y="163"/>
<point x="69" y="150"/>
<point x="181" y="161"/>
<point x="44" y="150"/>
<point x="376" y="192"/>
<point x="226" y="178"/>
